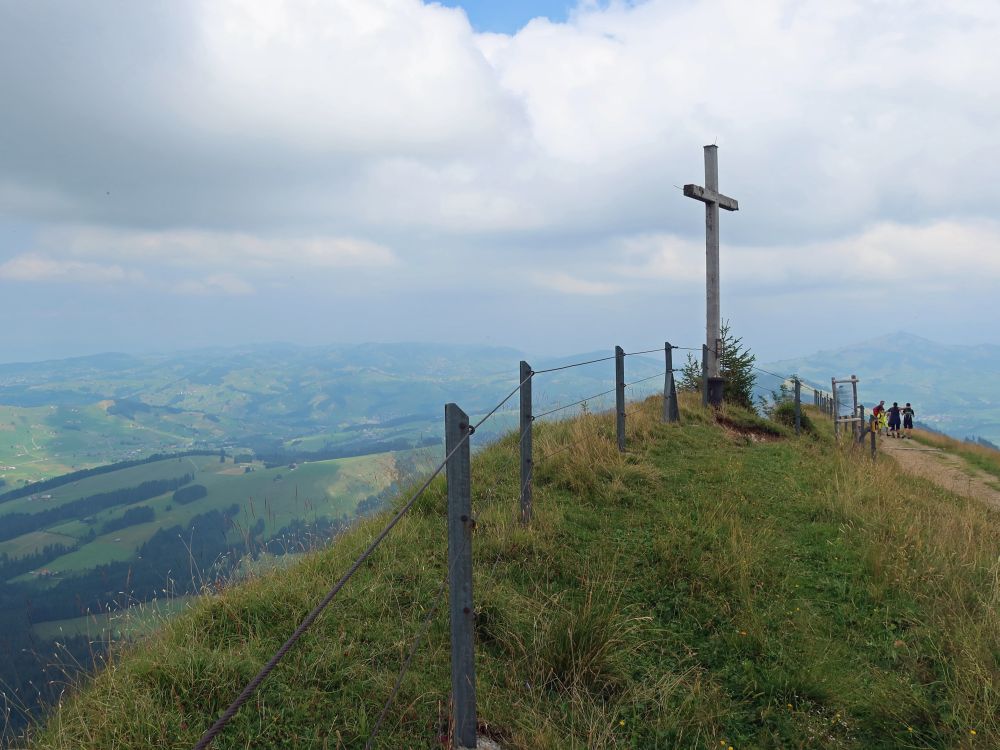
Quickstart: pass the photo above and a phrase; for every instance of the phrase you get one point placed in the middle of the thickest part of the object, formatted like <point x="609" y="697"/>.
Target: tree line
<point x="64" y="479"/>
<point x="16" y="524"/>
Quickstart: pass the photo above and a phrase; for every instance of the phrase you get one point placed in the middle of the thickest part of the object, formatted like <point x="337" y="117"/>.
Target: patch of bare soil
<point x="747" y="432"/>
<point x="944" y="469"/>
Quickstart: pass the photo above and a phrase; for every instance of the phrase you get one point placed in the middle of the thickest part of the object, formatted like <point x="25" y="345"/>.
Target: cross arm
<point x="710" y="196"/>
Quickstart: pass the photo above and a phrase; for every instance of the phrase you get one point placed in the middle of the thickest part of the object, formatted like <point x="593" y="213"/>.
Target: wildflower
<point x="972" y="732"/>
<point x="621" y="722"/>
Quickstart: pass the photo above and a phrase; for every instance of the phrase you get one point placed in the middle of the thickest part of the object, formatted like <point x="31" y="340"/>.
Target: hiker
<point x="879" y="413"/>
<point x="908" y="415"/>
<point x="894" y="411"/>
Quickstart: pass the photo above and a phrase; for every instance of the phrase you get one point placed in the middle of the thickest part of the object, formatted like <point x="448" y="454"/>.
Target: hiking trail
<point x="944" y="469"/>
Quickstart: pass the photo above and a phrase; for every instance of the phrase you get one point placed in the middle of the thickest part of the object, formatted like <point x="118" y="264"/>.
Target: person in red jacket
<point x="879" y="413"/>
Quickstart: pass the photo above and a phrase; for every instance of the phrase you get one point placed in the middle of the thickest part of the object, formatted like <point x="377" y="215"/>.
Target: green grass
<point x="132" y="622"/>
<point x="709" y="588"/>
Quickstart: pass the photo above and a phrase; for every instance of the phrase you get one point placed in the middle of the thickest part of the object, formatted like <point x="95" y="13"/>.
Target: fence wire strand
<point x="643" y="380"/>
<point x="575" y="403"/>
<point x="251" y="687"/>
<point x="575" y="364"/>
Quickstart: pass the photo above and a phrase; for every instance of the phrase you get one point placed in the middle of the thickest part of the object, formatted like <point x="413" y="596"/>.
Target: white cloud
<point x="946" y="254"/>
<point x="382" y="115"/>
<point x="34" y="267"/>
<point x="568" y="284"/>
<point x="218" y="284"/>
<point x="216" y="249"/>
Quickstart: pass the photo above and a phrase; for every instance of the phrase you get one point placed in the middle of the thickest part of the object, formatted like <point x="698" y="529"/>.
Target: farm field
<point x="270" y="498"/>
<point x="131" y="622"/>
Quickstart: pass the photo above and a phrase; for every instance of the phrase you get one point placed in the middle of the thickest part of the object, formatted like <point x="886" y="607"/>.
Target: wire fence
<point x="456" y="454"/>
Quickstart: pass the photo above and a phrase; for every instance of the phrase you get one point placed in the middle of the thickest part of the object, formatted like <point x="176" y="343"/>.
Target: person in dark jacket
<point x="894" y="419"/>
<point x="908" y="415"/>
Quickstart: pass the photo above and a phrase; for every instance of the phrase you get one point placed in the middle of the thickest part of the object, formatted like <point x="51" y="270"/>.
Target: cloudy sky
<point x="183" y="173"/>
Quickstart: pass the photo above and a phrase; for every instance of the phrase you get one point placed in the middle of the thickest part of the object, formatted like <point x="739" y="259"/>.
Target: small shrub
<point x="784" y="413"/>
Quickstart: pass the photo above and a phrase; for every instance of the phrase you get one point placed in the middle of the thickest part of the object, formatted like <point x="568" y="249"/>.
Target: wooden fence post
<point x="836" y="408"/>
<point x="620" y="396"/>
<point x="460" y="524"/>
<point x="671" y="411"/>
<point x="798" y="406"/>
<point x="526" y="423"/>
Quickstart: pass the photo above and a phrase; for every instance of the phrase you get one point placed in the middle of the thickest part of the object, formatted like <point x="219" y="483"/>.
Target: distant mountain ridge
<point x="953" y="388"/>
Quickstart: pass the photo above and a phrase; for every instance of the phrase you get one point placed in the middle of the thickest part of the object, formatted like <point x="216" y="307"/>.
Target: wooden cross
<point x="713" y="200"/>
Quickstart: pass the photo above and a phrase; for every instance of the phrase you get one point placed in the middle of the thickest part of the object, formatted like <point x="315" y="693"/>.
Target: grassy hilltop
<point x="721" y="584"/>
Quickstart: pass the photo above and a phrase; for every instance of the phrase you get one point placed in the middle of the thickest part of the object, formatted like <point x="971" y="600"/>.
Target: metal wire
<point x="789" y="377"/>
<point x="496" y="408"/>
<point x="651" y="377"/>
<point x="575" y="364"/>
<point x="647" y="351"/>
<point x="251" y="687"/>
<point x="575" y="403"/>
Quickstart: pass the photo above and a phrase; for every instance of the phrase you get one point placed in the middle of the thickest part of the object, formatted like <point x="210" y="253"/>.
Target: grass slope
<point x="711" y="588"/>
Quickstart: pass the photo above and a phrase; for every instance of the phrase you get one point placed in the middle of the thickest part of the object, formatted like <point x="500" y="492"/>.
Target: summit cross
<point x="713" y="200"/>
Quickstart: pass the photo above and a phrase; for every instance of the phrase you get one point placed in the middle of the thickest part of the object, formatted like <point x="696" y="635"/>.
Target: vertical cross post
<point x="704" y="375"/>
<point x="798" y="406"/>
<point x="671" y="412"/>
<point x="861" y="424"/>
<point x="620" y="396"/>
<point x="460" y="524"/>
<point x="526" y="423"/>
<point x="713" y="200"/>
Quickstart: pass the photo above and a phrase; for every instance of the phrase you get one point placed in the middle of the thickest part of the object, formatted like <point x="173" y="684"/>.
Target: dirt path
<point x="944" y="469"/>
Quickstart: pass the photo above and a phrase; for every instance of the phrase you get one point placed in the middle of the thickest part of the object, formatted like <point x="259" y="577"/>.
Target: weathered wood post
<point x="855" y="427"/>
<point x="460" y="525"/>
<point x="526" y="423"/>
<point x="671" y="411"/>
<point x="836" y="408"/>
<point x="860" y="434"/>
<point x="798" y="406"/>
<point x="713" y="200"/>
<point x="620" y="396"/>
<point x="704" y="375"/>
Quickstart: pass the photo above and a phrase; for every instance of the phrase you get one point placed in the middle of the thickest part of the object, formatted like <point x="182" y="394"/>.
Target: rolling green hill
<point x="283" y="402"/>
<point x="721" y="584"/>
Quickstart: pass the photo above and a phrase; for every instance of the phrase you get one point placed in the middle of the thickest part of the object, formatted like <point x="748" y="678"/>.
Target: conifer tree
<point x="690" y="379"/>
<point x="736" y="366"/>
